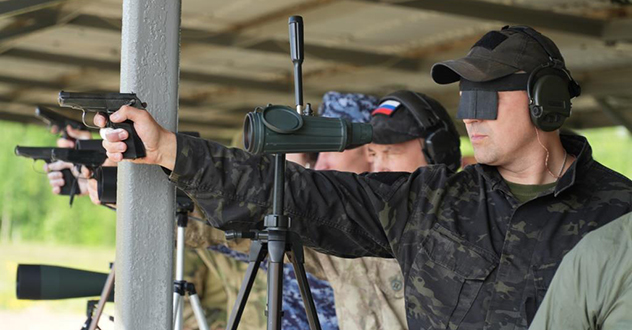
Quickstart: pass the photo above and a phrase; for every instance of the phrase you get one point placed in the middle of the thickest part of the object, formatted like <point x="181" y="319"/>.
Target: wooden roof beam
<point x="613" y="30"/>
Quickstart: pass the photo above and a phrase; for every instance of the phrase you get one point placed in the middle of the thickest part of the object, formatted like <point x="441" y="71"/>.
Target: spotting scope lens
<point x="42" y="282"/>
<point x="280" y="129"/>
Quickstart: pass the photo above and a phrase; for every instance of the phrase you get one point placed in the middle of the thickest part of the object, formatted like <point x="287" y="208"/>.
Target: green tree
<point x="37" y="214"/>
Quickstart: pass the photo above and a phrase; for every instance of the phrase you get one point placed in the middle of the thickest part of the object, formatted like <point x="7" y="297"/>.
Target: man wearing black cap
<point x="412" y="130"/>
<point x="477" y="248"/>
<point x="370" y="291"/>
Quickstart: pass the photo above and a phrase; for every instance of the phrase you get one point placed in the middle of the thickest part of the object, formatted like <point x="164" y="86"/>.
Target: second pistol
<point x="106" y="104"/>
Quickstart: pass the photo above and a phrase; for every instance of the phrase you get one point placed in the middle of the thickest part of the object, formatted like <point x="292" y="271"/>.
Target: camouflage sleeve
<point x="337" y="213"/>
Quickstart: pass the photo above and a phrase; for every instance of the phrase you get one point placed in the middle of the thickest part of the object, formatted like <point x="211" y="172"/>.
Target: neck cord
<point x="546" y="160"/>
<point x="559" y="175"/>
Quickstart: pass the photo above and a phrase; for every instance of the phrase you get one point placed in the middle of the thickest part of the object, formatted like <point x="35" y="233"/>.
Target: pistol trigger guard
<point x="35" y="168"/>
<point x="83" y="119"/>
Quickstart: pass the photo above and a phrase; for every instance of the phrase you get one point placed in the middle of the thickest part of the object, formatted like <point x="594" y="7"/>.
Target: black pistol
<point x="106" y="104"/>
<point x="94" y="144"/>
<point x="53" y="118"/>
<point x="38" y="153"/>
<point x="88" y="158"/>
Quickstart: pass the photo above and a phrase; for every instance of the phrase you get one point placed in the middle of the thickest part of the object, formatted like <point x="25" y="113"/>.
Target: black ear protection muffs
<point x="442" y="143"/>
<point x="550" y="87"/>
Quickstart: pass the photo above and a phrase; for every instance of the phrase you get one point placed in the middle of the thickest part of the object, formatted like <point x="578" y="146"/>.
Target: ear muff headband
<point x="442" y="142"/>
<point x="550" y="87"/>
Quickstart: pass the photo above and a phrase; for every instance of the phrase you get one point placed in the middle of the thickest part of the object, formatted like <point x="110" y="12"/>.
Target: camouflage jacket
<point x="472" y="256"/>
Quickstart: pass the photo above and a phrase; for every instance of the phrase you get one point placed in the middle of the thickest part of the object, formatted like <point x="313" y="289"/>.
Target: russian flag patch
<point x="386" y="108"/>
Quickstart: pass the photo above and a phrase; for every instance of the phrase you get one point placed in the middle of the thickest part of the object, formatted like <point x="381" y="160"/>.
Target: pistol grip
<point x="135" y="147"/>
<point x="69" y="181"/>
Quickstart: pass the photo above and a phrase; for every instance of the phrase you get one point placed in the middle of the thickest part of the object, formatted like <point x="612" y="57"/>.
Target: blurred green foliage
<point x="612" y="147"/>
<point x="30" y="211"/>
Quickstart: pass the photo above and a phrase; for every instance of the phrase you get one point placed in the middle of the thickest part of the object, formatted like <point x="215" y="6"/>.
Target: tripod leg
<point x="179" y="283"/>
<point x="198" y="311"/>
<point x="257" y="253"/>
<point x="297" y="259"/>
<point x="275" y="283"/>
<point x="107" y="289"/>
<point x="177" y="311"/>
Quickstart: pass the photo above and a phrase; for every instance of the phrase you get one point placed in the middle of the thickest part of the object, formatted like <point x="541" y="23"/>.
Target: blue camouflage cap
<point x="354" y="107"/>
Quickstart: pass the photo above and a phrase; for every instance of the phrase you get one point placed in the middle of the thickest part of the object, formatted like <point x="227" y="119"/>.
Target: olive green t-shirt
<point x="592" y="288"/>
<point x="526" y="192"/>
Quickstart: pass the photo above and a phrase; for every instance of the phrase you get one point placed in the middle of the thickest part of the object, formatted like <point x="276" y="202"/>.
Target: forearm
<point x="337" y="213"/>
<point x="168" y="146"/>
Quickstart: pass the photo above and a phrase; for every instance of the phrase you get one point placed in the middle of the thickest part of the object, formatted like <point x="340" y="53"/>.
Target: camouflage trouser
<point x="217" y="280"/>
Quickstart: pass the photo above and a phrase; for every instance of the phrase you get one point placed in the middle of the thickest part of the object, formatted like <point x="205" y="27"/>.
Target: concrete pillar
<point x="145" y="199"/>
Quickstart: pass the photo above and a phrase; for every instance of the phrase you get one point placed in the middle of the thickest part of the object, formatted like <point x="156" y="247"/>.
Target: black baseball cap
<point x="396" y="126"/>
<point x="393" y="120"/>
<point x="495" y="55"/>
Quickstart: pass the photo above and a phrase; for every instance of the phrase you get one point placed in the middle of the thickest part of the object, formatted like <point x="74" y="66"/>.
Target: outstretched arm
<point x="336" y="212"/>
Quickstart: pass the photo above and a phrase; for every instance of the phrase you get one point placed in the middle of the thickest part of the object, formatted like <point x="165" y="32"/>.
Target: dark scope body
<point x="42" y="282"/>
<point x="280" y="129"/>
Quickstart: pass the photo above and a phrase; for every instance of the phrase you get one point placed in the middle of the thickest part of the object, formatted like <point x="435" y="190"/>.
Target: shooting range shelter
<point x="234" y="55"/>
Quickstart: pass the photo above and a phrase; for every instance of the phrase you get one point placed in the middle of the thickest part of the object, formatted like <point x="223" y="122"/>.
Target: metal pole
<point x="146" y="200"/>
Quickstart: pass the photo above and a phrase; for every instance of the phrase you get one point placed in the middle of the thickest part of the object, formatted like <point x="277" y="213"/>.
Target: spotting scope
<point x="43" y="282"/>
<point x="280" y="129"/>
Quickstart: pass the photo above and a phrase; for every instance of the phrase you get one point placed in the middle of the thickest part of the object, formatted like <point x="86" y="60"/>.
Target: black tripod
<point x="276" y="240"/>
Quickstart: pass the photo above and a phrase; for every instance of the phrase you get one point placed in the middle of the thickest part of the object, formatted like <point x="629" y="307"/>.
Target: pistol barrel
<point x="36" y="153"/>
<point x="99" y="102"/>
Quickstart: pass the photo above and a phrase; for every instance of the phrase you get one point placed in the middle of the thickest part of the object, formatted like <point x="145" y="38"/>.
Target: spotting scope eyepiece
<point x="42" y="282"/>
<point x="280" y="129"/>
